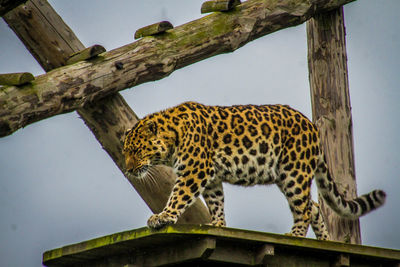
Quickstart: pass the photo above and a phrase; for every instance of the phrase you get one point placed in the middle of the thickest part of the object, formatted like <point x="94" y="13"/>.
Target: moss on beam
<point x="126" y="241"/>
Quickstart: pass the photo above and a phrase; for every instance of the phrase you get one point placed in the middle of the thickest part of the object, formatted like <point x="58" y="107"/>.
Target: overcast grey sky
<point x="57" y="186"/>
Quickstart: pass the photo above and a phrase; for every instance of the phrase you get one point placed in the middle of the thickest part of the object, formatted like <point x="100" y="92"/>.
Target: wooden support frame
<point x="151" y="58"/>
<point x="278" y="16"/>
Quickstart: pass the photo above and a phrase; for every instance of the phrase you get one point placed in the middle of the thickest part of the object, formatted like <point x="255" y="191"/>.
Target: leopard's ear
<point x="151" y="127"/>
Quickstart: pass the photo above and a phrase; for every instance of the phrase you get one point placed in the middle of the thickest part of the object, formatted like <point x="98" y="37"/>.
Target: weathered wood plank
<point x="151" y="58"/>
<point x="108" y="118"/>
<point x="279" y="250"/>
<point x="37" y="19"/>
<point x="327" y="61"/>
<point x="178" y="253"/>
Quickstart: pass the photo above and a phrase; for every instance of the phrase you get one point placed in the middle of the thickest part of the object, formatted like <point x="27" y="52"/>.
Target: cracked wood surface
<point x="327" y="61"/>
<point x="72" y="87"/>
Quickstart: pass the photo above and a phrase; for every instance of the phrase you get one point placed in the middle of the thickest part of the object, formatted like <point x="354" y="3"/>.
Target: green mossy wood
<point x="153" y="29"/>
<point x="149" y="59"/>
<point x="194" y="245"/>
<point x="16" y="78"/>
<point x="86" y="53"/>
<point x="219" y="5"/>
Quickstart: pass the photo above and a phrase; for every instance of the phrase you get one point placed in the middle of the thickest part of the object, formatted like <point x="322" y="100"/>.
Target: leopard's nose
<point x="129" y="164"/>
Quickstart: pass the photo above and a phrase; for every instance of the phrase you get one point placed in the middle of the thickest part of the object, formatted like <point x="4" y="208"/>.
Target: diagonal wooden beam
<point x="151" y="58"/>
<point x="51" y="42"/>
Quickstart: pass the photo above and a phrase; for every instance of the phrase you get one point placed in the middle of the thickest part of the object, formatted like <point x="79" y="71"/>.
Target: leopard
<point x="243" y="145"/>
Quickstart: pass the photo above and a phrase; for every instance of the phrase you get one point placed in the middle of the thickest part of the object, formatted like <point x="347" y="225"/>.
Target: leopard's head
<point x="144" y="146"/>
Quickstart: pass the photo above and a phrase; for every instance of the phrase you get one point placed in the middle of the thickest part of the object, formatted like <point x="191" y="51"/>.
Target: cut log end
<point x="219" y="5"/>
<point x="16" y="78"/>
<point x="86" y="53"/>
<point x="156" y="28"/>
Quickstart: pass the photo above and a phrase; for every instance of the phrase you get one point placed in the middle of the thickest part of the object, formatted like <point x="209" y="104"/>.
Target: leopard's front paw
<point x="220" y="223"/>
<point x="158" y="221"/>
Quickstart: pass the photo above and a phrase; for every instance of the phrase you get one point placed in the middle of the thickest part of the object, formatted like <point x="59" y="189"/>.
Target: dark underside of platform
<point x="194" y="245"/>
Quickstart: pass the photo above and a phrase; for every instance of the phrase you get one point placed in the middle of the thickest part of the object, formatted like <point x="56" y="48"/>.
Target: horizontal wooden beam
<point x="8" y="5"/>
<point x="151" y="58"/>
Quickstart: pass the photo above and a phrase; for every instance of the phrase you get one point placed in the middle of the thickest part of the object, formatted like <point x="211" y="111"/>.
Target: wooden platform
<point x="194" y="245"/>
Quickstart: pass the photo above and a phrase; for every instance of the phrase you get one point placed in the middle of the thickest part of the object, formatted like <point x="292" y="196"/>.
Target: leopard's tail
<point x="350" y="209"/>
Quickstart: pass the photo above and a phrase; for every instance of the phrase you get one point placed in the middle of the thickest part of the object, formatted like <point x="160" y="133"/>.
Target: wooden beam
<point x="8" y="5"/>
<point x="150" y="58"/>
<point x="327" y="61"/>
<point x="51" y="50"/>
<point x="109" y="117"/>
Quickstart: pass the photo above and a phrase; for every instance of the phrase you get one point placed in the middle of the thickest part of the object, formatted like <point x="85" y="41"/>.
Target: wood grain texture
<point x="327" y="61"/>
<point x="151" y="58"/>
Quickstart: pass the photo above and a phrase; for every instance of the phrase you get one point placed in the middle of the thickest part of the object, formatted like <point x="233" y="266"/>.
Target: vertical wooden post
<point x="51" y="42"/>
<point x="327" y="62"/>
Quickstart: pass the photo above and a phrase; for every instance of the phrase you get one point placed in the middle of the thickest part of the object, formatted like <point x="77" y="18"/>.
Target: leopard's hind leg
<point x="297" y="192"/>
<point x="317" y="222"/>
